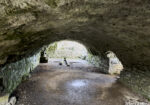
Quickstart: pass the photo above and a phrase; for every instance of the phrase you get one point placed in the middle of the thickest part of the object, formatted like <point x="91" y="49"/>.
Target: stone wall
<point x="13" y="73"/>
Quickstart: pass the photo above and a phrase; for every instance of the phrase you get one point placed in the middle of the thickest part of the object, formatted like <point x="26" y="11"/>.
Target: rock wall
<point x="99" y="62"/>
<point x="137" y="80"/>
<point x="13" y="73"/>
<point x="122" y="26"/>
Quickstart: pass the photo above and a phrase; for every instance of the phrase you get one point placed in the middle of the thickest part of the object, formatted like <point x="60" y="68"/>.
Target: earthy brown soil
<point x="54" y="84"/>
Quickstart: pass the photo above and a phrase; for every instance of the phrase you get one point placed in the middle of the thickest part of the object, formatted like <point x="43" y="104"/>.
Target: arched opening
<point x="74" y="54"/>
<point x="68" y="53"/>
<point x="67" y="49"/>
<point x="121" y="26"/>
<point x="73" y="76"/>
<point x="66" y="83"/>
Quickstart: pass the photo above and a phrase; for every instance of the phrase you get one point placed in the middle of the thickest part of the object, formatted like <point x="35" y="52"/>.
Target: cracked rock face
<point x="122" y="26"/>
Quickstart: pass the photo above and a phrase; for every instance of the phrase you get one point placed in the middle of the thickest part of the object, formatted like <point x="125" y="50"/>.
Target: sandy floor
<point x="52" y="84"/>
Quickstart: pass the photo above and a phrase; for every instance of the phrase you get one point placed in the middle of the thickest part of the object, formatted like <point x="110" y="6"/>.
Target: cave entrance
<point x="73" y="74"/>
<point x="68" y="53"/>
<point x="74" y="55"/>
<point x="67" y="49"/>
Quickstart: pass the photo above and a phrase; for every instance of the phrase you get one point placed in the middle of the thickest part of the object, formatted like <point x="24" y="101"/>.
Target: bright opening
<point x="76" y="55"/>
<point x="67" y="49"/>
<point x="67" y="53"/>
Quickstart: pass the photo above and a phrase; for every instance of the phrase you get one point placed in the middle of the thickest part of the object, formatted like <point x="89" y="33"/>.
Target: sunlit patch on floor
<point x="79" y="83"/>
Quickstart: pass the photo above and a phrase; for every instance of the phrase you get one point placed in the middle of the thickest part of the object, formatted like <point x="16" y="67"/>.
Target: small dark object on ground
<point x="60" y="63"/>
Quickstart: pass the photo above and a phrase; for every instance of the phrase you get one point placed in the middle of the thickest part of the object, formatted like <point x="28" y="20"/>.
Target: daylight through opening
<point x="74" y="54"/>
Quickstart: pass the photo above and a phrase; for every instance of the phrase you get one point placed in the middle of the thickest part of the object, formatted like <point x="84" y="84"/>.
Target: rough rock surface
<point x="137" y="80"/>
<point x="14" y="73"/>
<point x="98" y="61"/>
<point x="121" y="26"/>
<point x="115" y="66"/>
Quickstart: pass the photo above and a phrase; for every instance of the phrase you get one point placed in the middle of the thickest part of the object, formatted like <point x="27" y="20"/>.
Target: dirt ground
<point x="77" y="84"/>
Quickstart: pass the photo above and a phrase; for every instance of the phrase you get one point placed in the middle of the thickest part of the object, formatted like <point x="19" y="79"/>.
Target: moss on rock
<point x="52" y="3"/>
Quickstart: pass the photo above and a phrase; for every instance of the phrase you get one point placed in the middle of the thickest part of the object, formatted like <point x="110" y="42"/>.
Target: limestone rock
<point x="115" y="66"/>
<point x="121" y="26"/>
<point x="12" y="101"/>
<point x="14" y="73"/>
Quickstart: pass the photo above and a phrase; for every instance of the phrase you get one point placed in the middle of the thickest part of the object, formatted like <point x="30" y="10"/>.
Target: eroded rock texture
<point x="14" y="73"/>
<point x="122" y="26"/>
<point x="137" y="80"/>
